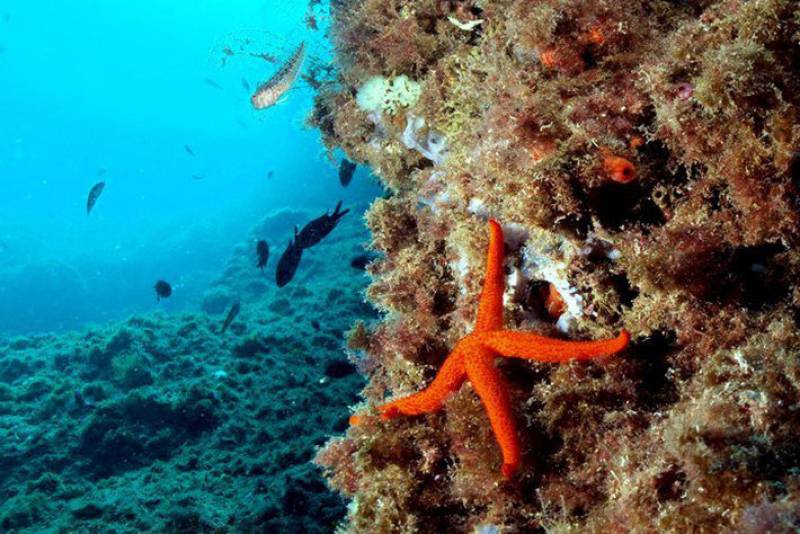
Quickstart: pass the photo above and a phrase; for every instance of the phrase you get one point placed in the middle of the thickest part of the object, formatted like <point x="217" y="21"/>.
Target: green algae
<point x="159" y="423"/>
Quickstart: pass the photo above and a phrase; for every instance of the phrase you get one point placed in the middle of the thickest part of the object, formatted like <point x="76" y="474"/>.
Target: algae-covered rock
<point x="390" y="95"/>
<point x="160" y="424"/>
<point x="216" y="300"/>
<point x="641" y="157"/>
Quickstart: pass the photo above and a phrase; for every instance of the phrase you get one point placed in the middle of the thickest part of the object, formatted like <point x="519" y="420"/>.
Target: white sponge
<point x="389" y="95"/>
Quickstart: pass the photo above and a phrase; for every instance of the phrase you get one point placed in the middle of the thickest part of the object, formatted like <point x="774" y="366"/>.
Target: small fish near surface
<point x="288" y="262"/>
<point x="269" y="58"/>
<point x="268" y="93"/>
<point x="316" y="230"/>
<point x="262" y="252"/>
<point x="188" y="150"/>
<point x="311" y="22"/>
<point x="198" y="177"/>
<point x="232" y="313"/>
<point x="94" y="194"/>
<point x="246" y="85"/>
<point x="212" y="83"/>
<point x="163" y="290"/>
<point x="346" y="170"/>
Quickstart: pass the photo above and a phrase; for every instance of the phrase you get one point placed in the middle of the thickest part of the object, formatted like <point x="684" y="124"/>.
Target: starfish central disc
<point x="473" y="357"/>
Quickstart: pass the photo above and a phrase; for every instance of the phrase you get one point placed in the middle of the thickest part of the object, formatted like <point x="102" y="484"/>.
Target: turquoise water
<point x="119" y="89"/>
<point x="122" y="413"/>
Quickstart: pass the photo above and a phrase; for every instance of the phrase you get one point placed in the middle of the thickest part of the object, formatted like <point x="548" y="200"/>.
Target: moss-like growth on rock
<point x="694" y="250"/>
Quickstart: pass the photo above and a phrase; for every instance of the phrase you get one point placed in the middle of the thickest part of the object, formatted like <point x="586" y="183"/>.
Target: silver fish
<point x="234" y="311"/>
<point x="269" y="92"/>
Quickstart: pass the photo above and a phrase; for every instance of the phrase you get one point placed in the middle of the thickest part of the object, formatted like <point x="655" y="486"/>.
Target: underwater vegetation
<point x="473" y="359"/>
<point x="641" y="158"/>
<point x="193" y="422"/>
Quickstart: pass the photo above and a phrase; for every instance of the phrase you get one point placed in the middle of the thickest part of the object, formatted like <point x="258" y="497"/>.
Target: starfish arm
<point x="449" y="378"/>
<point x="544" y="349"/>
<point x="490" y="308"/>
<point x="492" y="390"/>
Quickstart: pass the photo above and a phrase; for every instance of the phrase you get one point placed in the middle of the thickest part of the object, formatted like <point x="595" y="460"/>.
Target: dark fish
<point x="315" y="231"/>
<point x="94" y="194"/>
<point x="234" y="311"/>
<point x="270" y="174"/>
<point x="101" y="171"/>
<point x="361" y="261"/>
<point x="315" y="324"/>
<point x="246" y="84"/>
<point x="311" y="22"/>
<point x="262" y="251"/>
<point x="197" y="177"/>
<point x="163" y="290"/>
<point x="269" y="58"/>
<point x="346" y="170"/>
<point x="212" y="83"/>
<point x="188" y="150"/>
<point x="288" y="263"/>
<point x="227" y="51"/>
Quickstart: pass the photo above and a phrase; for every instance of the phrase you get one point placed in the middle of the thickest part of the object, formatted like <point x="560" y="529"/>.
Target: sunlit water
<point x="116" y="91"/>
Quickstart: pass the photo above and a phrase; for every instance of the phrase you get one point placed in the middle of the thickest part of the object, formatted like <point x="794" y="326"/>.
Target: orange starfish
<point x="473" y="358"/>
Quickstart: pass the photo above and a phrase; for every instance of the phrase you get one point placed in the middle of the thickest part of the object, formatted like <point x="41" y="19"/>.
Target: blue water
<point x="119" y="88"/>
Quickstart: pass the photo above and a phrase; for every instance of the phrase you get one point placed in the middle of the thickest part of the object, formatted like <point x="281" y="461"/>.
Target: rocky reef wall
<point x="642" y="158"/>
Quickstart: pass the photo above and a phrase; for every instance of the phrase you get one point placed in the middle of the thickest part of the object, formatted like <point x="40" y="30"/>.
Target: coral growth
<point x="645" y="156"/>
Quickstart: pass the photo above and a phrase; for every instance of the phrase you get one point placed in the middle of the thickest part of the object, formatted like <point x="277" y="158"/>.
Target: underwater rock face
<point x="52" y="290"/>
<point x="162" y="423"/>
<point x="644" y="153"/>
